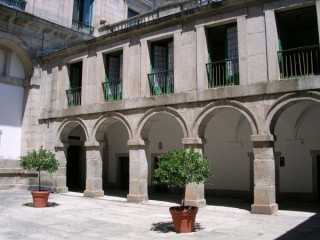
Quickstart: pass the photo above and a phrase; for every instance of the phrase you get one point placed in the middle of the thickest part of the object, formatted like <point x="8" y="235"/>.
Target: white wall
<point x="227" y="148"/>
<point x="11" y="106"/>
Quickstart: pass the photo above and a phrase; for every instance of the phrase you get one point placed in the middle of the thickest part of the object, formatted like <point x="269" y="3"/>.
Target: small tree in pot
<point x="40" y="160"/>
<point x="177" y="168"/>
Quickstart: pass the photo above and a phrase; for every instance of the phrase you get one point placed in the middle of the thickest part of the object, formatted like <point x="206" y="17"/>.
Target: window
<point x="223" y="62"/>
<point x="113" y="81"/>
<point x="298" y="56"/>
<point x="161" y="77"/>
<point x="132" y="13"/>
<point x="82" y="16"/>
<point x="17" y="4"/>
<point x="75" y="82"/>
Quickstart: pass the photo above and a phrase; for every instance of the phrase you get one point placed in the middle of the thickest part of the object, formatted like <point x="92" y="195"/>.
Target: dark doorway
<point x="318" y="178"/>
<point x="124" y="173"/>
<point x="159" y="188"/>
<point x="75" y="169"/>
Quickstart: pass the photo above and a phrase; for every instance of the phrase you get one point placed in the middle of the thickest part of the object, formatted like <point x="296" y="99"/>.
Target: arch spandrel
<point x="150" y="116"/>
<point x="212" y="109"/>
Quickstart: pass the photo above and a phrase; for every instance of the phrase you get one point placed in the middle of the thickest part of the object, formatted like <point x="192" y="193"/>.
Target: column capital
<point x="193" y="141"/>
<point x="262" y="138"/>
<point x="94" y="144"/>
<point x="137" y="142"/>
<point x="61" y="146"/>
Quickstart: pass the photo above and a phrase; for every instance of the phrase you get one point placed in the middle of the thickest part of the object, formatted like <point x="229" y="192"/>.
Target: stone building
<point x="236" y="79"/>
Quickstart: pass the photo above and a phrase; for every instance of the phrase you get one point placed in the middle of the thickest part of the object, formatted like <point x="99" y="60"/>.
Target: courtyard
<point x="72" y="216"/>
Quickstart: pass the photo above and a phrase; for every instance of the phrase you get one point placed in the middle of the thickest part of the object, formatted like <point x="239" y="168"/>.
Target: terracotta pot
<point x="40" y="198"/>
<point x="183" y="218"/>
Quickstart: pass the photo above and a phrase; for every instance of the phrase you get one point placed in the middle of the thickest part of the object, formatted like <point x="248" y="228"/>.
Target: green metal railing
<point x="82" y="27"/>
<point x="161" y="82"/>
<point x="74" y="97"/>
<point x="112" y="90"/>
<point x="18" y="4"/>
<point x="223" y="73"/>
<point x="299" y="62"/>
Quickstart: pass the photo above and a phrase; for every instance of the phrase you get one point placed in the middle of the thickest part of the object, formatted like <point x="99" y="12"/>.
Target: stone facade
<point x="260" y="131"/>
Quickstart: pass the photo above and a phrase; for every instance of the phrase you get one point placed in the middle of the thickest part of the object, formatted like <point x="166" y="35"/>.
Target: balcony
<point x="161" y="83"/>
<point x="299" y="62"/>
<point x="112" y="90"/>
<point x="74" y="97"/>
<point x="82" y="27"/>
<point x="223" y="73"/>
<point x="17" y="4"/>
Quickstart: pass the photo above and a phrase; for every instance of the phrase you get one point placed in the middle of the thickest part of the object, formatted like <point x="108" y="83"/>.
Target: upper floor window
<point x="223" y="62"/>
<point x="113" y="77"/>
<point x="132" y="13"/>
<point x="75" y="83"/>
<point x="161" y="78"/>
<point x="82" y="16"/>
<point x="299" y="53"/>
<point x="18" y="4"/>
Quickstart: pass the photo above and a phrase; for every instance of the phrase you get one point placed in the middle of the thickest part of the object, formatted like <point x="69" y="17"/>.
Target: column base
<point x="61" y="189"/>
<point x="137" y="198"/>
<point x="88" y="193"/>
<point x="264" y="209"/>
<point x="196" y="203"/>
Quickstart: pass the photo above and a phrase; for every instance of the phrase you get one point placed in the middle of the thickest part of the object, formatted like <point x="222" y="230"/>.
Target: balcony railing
<point x="161" y="82"/>
<point x="163" y="12"/>
<point x="74" y="97"/>
<point x="82" y="27"/>
<point x="112" y="90"/>
<point x="223" y="73"/>
<point x="17" y="4"/>
<point x="299" y="62"/>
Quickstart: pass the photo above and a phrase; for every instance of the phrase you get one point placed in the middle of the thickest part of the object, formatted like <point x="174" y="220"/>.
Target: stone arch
<point x="66" y="127"/>
<point x="18" y="46"/>
<point x="145" y="123"/>
<point x="213" y="108"/>
<point x="106" y="120"/>
<point x="284" y="103"/>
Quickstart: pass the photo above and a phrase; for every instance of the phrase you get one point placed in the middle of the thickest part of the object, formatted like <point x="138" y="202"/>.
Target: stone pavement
<point x="72" y="216"/>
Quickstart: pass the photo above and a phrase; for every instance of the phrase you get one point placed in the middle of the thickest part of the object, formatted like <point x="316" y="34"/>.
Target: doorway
<point x="124" y="173"/>
<point x="75" y="169"/>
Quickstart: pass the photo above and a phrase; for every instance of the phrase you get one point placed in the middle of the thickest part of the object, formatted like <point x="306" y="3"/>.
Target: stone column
<point x="138" y="179"/>
<point x="94" y="151"/>
<point x="194" y="195"/>
<point x="60" y="177"/>
<point x="264" y="175"/>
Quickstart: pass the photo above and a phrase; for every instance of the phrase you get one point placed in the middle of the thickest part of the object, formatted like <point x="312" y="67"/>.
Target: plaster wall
<point x="11" y="107"/>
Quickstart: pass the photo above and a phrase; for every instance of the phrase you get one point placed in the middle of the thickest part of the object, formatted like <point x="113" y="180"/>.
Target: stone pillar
<point x="194" y="195"/>
<point x="138" y="179"/>
<point x="264" y="175"/>
<point x="60" y="177"/>
<point x="94" y="151"/>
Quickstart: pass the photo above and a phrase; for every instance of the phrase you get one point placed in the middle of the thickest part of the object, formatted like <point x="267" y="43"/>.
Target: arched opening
<point x="163" y="132"/>
<point x="15" y="70"/>
<point x="228" y="146"/>
<point x="297" y="132"/>
<point x="113" y="132"/>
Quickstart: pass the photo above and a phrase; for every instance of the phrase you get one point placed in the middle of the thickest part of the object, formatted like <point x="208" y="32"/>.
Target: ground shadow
<point x="309" y="229"/>
<point x="50" y="204"/>
<point x="166" y="227"/>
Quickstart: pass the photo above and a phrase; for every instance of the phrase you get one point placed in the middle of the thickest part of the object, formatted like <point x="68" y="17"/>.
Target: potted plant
<point x="40" y="160"/>
<point x="177" y="168"/>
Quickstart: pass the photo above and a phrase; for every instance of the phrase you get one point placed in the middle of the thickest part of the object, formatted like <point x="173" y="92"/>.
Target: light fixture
<point x="160" y="145"/>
